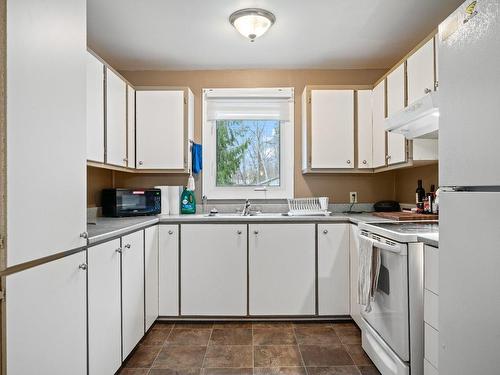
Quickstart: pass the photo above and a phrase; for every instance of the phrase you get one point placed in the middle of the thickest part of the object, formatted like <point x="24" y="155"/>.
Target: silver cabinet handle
<point x="427" y="90"/>
<point x="84" y="235"/>
<point x="127" y="246"/>
<point x="140" y="162"/>
<point x="125" y="160"/>
<point x="83" y="266"/>
<point x="364" y="162"/>
<point x="239" y="232"/>
<point x="388" y="157"/>
<point x="170" y="232"/>
<point x="325" y="231"/>
<point x="119" y="250"/>
<point x="255" y="232"/>
<point x="348" y="162"/>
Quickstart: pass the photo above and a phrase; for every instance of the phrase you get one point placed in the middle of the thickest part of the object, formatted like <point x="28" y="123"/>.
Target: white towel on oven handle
<point x="368" y="272"/>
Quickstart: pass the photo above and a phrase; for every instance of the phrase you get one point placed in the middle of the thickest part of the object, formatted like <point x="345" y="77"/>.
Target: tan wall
<point x="369" y="187"/>
<point x="406" y="181"/>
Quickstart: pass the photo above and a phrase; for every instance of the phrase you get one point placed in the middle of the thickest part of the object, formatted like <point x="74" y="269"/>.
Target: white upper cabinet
<point x="332" y="129"/>
<point x="130" y="127"/>
<point x="420" y="70"/>
<point x="365" y="129"/>
<point x="46" y="129"/>
<point x="116" y="119"/>
<point x="95" y="109"/>
<point x="163" y="119"/>
<point x="396" y="143"/>
<point x="378" y="125"/>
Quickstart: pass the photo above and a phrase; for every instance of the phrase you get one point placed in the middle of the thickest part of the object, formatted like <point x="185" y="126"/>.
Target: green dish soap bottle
<point x="188" y="202"/>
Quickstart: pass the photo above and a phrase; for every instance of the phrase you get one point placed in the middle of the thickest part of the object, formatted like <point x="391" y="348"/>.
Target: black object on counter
<point x="387" y="206"/>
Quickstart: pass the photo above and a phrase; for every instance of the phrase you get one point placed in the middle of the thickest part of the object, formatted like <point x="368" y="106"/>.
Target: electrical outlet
<point x="353" y="195"/>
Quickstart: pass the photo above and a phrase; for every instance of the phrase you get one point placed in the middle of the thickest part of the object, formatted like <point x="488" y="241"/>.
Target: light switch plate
<point x="353" y="197"/>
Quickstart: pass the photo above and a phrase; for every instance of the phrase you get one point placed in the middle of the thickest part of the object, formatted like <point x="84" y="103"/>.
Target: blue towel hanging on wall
<point x="197" y="158"/>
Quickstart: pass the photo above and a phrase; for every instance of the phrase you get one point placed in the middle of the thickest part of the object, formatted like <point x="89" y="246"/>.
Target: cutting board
<point x="405" y="216"/>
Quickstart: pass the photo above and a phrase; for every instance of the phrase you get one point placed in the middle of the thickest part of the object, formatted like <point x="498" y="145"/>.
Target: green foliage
<point x="229" y="152"/>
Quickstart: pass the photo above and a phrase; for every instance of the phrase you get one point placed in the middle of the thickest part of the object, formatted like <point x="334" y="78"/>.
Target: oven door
<point x="389" y="314"/>
<point x="136" y="202"/>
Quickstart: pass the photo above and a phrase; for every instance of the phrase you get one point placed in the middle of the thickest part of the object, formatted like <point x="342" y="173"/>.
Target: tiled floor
<point x="250" y="348"/>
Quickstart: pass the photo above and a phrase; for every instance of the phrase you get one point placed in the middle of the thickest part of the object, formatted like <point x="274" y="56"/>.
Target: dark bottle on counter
<point x="419" y="193"/>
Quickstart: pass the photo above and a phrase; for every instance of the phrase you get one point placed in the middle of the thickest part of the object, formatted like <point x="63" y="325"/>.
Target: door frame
<point x="3" y="171"/>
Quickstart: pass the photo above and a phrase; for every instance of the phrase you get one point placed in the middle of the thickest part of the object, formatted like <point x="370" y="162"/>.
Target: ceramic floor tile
<point x="189" y="336"/>
<point x="277" y="356"/>
<point x="133" y="371"/>
<point x="325" y="355"/>
<point x="272" y="325"/>
<point x="143" y="356"/>
<point x="156" y="337"/>
<point x="163" y="325"/>
<point x="231" y="336"/>
<point x="273" y="336"/>
<point x="228" y="356"/>
<point x="227" y="371"/>
<point x="280" y="371"/>
<point x="180" y="356"/>
<point x="184" y="325"/>
<point x="368" y="370"/>
<point x="233" y="325"/>
<point x="316" y="336"/>
<point x="170" y="371"/>
<point x="357" y="354"/>
<point x="333" y="370"/>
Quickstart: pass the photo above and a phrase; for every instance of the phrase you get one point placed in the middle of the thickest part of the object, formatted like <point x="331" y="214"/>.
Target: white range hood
<point x="419" y="120"/>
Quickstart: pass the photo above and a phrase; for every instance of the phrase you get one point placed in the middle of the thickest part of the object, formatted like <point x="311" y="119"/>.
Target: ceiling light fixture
<point x="252" y="22"/>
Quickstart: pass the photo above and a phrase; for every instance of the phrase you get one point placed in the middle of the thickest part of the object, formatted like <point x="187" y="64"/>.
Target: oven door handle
<point x="395" y="248"/>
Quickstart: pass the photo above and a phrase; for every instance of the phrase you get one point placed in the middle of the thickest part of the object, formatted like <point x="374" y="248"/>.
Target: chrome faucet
<point x="246" y="209"/>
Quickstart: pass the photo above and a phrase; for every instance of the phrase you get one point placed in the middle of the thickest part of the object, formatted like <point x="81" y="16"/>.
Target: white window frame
<point x="286" y="188"/>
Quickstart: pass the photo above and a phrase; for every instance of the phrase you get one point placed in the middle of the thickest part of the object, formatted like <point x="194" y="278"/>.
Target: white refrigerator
<point x="469" y="174"/>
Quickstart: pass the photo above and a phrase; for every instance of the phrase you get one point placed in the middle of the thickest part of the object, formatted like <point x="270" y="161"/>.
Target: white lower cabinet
<point x="431" y="310"/>
<point x="104" y="308"/>
<point x="214" y="269"/>
<point x="132" y="290"/>
<point x="46" y="329"/>
<point x="151" y="275"/>
<point x="333" y="269"/>
<point x="282" y="269"/>
<point x="168" y="270"/>
<point x="355" y="308"/>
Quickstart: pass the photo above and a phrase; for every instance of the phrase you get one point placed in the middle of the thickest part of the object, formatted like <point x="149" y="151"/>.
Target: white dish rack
<point x="308" y="207"/>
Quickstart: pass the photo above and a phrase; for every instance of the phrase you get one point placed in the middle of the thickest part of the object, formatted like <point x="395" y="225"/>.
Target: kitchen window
<point x="248" y="143"/>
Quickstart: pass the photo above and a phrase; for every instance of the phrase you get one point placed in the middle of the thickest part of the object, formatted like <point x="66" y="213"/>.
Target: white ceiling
<point x="315" y="34"/>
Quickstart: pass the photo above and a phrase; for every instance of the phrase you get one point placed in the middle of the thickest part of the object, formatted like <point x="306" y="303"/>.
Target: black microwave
<point x="131" y="202"/>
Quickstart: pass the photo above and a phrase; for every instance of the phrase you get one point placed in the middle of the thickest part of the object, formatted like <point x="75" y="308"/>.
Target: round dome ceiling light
<point x="252" y="22"/>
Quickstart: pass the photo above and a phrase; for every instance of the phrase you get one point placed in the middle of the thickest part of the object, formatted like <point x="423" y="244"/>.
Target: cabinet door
<point x="130" y="127"/>
<point x="104" y="308"/>
<point x="169" y="270"/>
<point x="365" y="129"/>
<point x="214" y="269"/>
<point x="333" y="269"/>
<point x="282" y="269"/>
<point x="45" y="127"/>
<point x="332" y="132"/>
<point x="396" y="143"/>
<point x="353" y="273"/>
<point x="95" y="109"/>
<point x="46" y="327"/>
<point x="116" y="119"/>
<point x="132" y="291"/>
<point x="160" y="129"/>
<point x="151" y="275"/>
<point x="378" y="125"/>
<point x="420" y="70"/>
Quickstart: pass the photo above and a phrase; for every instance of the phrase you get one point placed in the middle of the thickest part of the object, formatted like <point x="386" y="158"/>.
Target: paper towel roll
<point x="174" y="199"/>
<point x="165" y="204"/>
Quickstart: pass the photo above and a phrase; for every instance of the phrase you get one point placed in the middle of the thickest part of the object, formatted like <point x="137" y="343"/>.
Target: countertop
<point x="108" y="227"/>
<point x="431" y="239"/>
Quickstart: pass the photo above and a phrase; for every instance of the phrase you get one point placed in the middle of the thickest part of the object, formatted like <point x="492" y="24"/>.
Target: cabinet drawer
<point x="431" y="309"/>
<point x="429" y="369"/>
<point x="431" y="345"/>
<point x="431" y="267"/>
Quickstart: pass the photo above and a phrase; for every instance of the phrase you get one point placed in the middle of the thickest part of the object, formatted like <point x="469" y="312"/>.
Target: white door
<point x="151" y="275"/>
<point x="160" y="129"/>
<point x="46" y="127"/>
<point x="168" y="270"/>
<point x="116" y="119"/>
<point x="332" y="129"/>
<point x="95" y="109"/>
<point x="365" y="129"/>
<point x="132" y="291"/>
<point x="420" y="70"/>
<point x="469" y="102"/>
<point x="104" y="308"/>
<point x="214" y="269"/>
<point x="130" y="127"/>
<point x="282" y="269"/>
<point x="469" y="297"/>
<point x="396" y="143"/>
<point x="333" y="269"/>
<point x="46" y="315"/>
<point x="378" y="125"/>
<point x="353" y="273"/>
